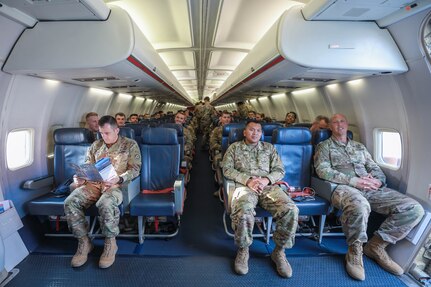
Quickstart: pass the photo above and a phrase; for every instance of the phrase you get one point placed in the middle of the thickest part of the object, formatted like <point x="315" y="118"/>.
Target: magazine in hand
<point x="102" y="170"/>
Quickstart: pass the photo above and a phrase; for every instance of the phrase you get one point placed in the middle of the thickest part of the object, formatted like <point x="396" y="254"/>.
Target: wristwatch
<point x="121" y="180"/>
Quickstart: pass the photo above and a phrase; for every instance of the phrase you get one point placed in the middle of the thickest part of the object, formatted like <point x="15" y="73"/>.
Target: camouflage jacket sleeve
<point x="373" y="168"/>
<point x="215" y="139"/>
<point x="134" y="163"/>
<point x="323" y="166"/>
<point x="228" y="165"/>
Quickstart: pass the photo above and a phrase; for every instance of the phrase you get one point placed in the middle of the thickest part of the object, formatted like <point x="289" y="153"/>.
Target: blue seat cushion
<point x="161" y="204"/>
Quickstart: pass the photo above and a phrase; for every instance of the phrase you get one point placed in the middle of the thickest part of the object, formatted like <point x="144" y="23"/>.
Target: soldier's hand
<point x="253" y="183"/>
<point x="78" y="181"/>
<point x="113" y="181"/>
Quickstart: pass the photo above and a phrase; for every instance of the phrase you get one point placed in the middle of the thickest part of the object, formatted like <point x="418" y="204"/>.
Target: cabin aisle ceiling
<point x="203" y="41"/>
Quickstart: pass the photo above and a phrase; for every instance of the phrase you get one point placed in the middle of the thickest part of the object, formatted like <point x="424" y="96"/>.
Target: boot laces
<point x="356" y="254"/>
<point x="242" y="256"/>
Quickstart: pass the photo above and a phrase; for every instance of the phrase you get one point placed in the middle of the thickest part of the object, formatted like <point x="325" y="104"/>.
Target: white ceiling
<point x="203" y="41"/>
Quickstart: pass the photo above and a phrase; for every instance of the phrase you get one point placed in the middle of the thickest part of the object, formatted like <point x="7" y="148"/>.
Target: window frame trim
<point x="31" y="151"/>
<point x="378" y="150"/>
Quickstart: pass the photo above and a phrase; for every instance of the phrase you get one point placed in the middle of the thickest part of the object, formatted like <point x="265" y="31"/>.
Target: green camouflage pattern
<point x="126" y="159"/>
<point x="243" y="161"/>
<point x="345" y="164"/>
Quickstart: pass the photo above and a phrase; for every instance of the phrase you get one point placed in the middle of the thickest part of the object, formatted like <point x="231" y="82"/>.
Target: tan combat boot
<point x="279" y="258"/>
<point x="354" y="263"/>
<point x="241" y="261"/>
<point x="108" y="256"/>
<point x="84" y="247"/>
<point x="375" y="249"/>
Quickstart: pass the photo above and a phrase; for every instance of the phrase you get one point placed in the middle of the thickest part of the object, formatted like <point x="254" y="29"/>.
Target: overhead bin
<point x="112" y="54"/>
<point x="296" y="53"/>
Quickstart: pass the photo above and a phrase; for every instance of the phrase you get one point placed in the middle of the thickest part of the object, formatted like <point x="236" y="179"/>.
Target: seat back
<point x="70" y="147"/>
<point x="160" y="152"/>
<point x="268" y="128"/>
<point x="237" y="134"/>
<point x="225" y="134"/>
<point x="180" y="135"/>
<point x="137" y="128"/>
<point x="293" y="144"/>
<point x="324" y="134"/>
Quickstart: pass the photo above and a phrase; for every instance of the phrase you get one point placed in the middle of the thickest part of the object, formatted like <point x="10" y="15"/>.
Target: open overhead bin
<point x="111" y="54"/>
<point x="296" y="53"/>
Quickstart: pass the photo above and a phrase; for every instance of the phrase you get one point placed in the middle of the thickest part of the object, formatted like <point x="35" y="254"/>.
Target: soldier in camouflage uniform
<point x="243" y="109"/>
<point x="216" y="136"/>
<point x="207" y="111"/>
<point x="361" y="188"/>
<point x="126" y="160"/>
<point x="180" y="119"/>
<point x="254" y="166"/>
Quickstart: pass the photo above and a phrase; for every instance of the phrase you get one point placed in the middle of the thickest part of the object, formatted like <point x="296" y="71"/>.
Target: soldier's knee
<point x="418" y="211"/>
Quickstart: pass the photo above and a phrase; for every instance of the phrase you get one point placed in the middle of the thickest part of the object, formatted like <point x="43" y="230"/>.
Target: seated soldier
<point x="290" y="119"/>
<point x="255" y="165"/>
<point x="320" y="122"/>
<point x="180" y="119"/>
<point x="361" y="189"/>
<point x="216" y="136"/>
<point x="126" y="160"/>
<point x="134" y="119"/>
<point x="121" y="119"/>
<point x="91" y="120"/>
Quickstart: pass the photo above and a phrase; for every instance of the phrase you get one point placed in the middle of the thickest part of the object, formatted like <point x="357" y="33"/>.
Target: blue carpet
<point x="46" y="270"/>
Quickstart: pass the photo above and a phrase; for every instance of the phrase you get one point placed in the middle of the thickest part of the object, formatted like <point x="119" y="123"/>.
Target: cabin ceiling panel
<point x="185" y="75"/>
<point x="218" y="75"/>
<point x="166" y="24"/>
<point x="243" y="22"/>
<point x="226" y="60"/>
<point x="179" y="60"/>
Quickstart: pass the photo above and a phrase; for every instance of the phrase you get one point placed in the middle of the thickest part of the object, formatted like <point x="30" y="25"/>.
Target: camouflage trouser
<point x="273" y="199"/>
<point x="403" y="213"/>
<point x="107" y="204"/>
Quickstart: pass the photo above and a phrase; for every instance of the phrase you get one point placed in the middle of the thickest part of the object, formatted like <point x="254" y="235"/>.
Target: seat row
<point x="158" y="191"/>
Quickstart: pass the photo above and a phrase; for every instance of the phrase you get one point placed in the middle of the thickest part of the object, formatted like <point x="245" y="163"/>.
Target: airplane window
<point x="19" y="148"/>
<point x="387" y="148"/>
<point x="426" y="36"/>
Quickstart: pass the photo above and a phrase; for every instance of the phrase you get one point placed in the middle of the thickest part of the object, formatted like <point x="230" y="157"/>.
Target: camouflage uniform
<point x="215" y="144"/>
<point x="242" y="161"/>
<point x="345" y="164"/>
<point x="188" y="143"/>
<point x="126" y="159"/>
<point x="206" y="120"/>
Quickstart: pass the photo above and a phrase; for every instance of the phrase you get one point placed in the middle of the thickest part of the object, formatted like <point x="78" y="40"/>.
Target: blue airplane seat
<point x="294" y="147"/>
<point x="268" y="128"/>
<point x="180" y="135"/>
<point x="225" y="134"/>
<point x="162" y="185"/>
<point x="137" y="128"/>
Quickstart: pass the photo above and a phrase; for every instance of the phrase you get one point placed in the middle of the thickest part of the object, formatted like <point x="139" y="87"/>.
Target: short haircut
<point x="291" y="112"/>
<point x="226" y="113"/>
<point x="110" y="120"/>
<point x="133" y="115"/>
<point x="320" y="117"/>
<point x="252" y="121"/>
<point x="207" y="99"/>
<point x="91" y="114"/>
<point x="120" y="114"/>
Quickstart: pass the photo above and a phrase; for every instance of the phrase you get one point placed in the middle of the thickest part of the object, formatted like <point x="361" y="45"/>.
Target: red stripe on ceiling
<point x="257" y="73"/>
<point x="141" y="66"/>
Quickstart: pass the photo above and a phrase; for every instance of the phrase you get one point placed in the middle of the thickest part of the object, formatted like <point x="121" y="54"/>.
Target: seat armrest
<point x="179" y="195"/>
<point x="323" y="187"/>
<point x="130" y="190"/>
<point x="39" y="183"/>
<point x="228" y="190"/>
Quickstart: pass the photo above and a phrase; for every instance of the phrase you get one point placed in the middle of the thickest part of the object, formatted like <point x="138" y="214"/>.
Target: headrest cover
<point x="227" y="128"/>
<point x="66" y="136"/>
<point x="177" y="127"/>
<point x="291" y="135"/>
<point x="159" y="136"/>
<point x="127" y="132"/>
<point x="268" y="128"/>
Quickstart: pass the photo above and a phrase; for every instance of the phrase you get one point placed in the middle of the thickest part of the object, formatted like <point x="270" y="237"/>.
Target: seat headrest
<point x="268" y="128"/>
<point x="291" y="135"/>
<point x="324" y="134"/>
<point x="227" y="128"/>
<point x="159" y="136"/>
<point x="127" y="132"/>
<point x="137" y="127"/>
<point x="304" y="125"/>
<point x="73" y="136"/>
<point x="177" y="127"/>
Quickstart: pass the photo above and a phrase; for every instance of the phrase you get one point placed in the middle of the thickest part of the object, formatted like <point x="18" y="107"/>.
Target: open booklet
<point x="102" y="170"/>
